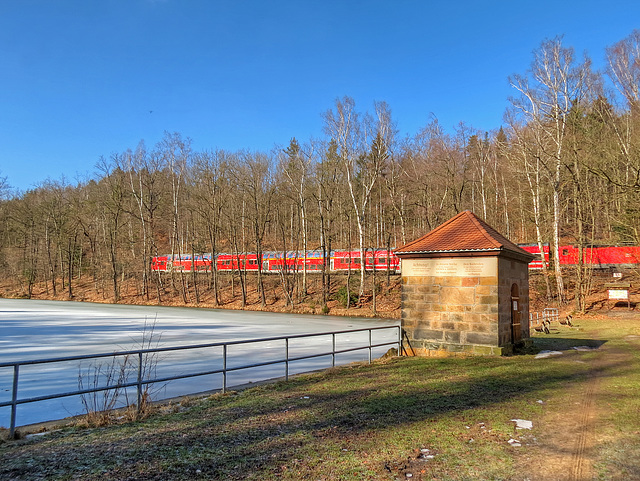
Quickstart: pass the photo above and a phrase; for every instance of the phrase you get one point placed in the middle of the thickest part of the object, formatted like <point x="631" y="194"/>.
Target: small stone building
<point x="465" y="290"/>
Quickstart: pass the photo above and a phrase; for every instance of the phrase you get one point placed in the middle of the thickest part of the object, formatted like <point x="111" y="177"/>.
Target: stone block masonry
<point x="455" y="315"/>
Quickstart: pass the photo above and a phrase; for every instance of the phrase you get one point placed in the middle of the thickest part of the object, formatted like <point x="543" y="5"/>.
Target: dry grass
<point x="428" y="418"/>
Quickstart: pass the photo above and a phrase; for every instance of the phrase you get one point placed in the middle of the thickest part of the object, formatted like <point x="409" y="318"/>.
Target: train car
<point x="293" y="261"/>
<point x="598" y="257"/>
<point x="202" y="263"/>
<point x="184" y="263"/>
<point x="274" y="261"/>
<point x="536" y="264"/>
<point x="379" y="260"/>
<point x="179" y="262"/>
<point x="236" y="262"/>
<point x="623" y="256"/>
<point x="159" y="263"/>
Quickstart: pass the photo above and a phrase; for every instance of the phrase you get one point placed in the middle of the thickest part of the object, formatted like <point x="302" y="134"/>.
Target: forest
<point x="564" y="168"/>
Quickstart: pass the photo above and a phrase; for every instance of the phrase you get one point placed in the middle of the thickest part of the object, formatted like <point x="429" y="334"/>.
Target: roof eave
<point x="523" y="256"/>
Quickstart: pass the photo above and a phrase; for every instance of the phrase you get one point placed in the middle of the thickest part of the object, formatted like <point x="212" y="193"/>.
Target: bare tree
<point x="4" y="187"/>
<point x="255" y="180"/>
<point x="547" y="92"/>
<point x="295" y="163"/>
<point x="144" y="171"/>
<point x="362" y="168"/>
<point x="623" y="60"/>
<point x="176" y="152"/>
<point x="327" y="180"/>
<point x="209" y="184"/>
<point x="524" y="152"/>
<point x="113" y="199"/>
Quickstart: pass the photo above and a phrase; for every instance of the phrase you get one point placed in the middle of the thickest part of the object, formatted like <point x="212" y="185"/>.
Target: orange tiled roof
<point x="465" y="232"/>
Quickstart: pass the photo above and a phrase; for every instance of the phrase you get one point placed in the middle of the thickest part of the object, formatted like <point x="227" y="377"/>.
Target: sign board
<point x="617" y="274"/>
<point x="618" y="294"/>
<point x="451" y="267"/>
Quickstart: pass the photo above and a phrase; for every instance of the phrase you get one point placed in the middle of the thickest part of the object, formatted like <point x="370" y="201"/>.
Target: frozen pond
<point x="47" y="329"/>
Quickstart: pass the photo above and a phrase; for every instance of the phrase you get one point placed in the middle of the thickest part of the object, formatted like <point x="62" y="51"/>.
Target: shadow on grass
<point x="551" y="343"/>
<point x="270" y="429"/>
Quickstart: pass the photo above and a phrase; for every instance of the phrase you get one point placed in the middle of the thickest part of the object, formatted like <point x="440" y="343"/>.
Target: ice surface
<point x="32" y="329"/>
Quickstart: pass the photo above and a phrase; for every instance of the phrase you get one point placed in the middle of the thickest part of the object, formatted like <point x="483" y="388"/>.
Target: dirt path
<point x="583" y="450"/>
<point x="566" y="449"/>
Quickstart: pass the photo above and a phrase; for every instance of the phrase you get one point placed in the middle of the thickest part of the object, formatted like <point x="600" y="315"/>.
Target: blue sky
<point x="83" y="79"/>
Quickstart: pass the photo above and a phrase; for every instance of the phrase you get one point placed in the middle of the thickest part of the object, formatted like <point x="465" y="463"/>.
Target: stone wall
<point x="513" y="272"/>
<point x="452" y="315"/>
<point x="462" y="305"/>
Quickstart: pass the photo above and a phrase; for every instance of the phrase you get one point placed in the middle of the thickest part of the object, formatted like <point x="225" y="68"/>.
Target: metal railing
<point x="140" y="383"/>
<point x="547" y="315"/>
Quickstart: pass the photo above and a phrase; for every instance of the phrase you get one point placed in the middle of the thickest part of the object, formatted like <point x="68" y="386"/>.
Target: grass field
<point x="399" y="418"/>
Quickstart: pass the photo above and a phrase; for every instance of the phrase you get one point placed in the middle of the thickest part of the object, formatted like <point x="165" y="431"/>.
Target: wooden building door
<point x="516" y="328"/>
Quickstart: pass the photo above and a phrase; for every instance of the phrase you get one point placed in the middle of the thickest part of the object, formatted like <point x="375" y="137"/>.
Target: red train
<point x="273" y="261"/>
<point x="599" y="257"/>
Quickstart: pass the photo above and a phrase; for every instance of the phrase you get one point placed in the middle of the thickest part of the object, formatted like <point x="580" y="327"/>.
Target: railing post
<point x="224" y="369"/>
<point x="286" y="362"/>
<point x="369" y="346"/>
<point x="14" y="399"/>
<point x="139" y="387"/>
<point x="400" y="346"/>
<point x="333" y="350"/>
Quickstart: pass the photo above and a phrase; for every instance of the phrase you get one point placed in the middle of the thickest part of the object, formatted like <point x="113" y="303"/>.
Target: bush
<point x="117" y="372"/>
<point x="341" y="296"/>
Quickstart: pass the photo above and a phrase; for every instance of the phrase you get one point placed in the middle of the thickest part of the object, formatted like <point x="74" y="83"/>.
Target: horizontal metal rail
<point x="141" y="353"/>
<point x="549" y="314"/>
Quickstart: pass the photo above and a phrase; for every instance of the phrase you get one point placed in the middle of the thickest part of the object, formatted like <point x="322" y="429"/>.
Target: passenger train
<point x="382" y="260"/>
<point x="274" y="261"/>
